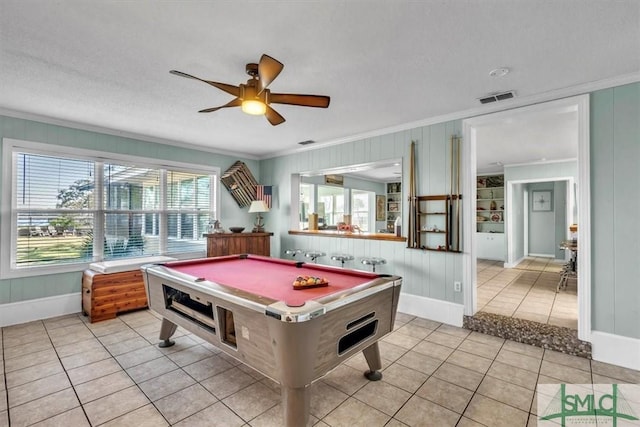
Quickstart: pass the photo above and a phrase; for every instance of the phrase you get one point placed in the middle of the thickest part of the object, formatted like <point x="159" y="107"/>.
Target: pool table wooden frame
<point x="294" y="346"/>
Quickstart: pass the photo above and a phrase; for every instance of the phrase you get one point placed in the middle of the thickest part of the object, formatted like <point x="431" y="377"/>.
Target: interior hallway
<point x="527" y="291"/>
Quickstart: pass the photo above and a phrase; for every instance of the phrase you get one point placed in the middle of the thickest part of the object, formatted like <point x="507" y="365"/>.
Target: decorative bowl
<point x="236" y="229"/>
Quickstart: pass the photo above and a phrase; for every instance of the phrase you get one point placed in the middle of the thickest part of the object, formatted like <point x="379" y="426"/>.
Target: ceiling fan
<point x="254" y="97"/>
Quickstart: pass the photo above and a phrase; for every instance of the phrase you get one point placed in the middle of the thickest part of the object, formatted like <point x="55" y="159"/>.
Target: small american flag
<point x="264" y="193"/>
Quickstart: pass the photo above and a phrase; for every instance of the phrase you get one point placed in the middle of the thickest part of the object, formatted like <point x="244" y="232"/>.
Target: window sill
<point x="389" y="237"/>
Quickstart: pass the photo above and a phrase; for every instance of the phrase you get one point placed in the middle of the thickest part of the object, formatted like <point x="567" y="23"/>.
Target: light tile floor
<point x="66" y="372"/>
<point x="527" y="292"/>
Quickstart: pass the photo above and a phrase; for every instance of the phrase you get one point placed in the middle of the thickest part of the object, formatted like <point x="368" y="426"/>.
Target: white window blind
<point x="141" y="210"/>
<point x="53" y="209"/>
<point x="330" y="207"/>
<point x="188" y="202"/>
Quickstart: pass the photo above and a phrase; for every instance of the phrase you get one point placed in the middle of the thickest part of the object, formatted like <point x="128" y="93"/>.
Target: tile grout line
<point x="127" y="374"/>
<point x="73" y="387"/>
<point x="66" y="373"/>
<point x="4" y="374"/>
<point x="480" y="383"/>
<point x="180" y="368"/>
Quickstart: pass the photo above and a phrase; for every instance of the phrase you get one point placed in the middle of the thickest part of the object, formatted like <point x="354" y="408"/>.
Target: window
<point x="69" y="208"/>
<point x="361" y="209"/>
<point x="330" y="205"/>
<point x="306" y="195"/>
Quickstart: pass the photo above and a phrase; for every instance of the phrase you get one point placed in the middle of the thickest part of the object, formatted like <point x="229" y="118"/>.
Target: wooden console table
<point x="220" y="244"/>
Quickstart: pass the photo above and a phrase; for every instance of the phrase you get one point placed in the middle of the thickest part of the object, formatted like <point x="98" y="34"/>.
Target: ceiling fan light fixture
<point x="254" y="107"/>
<point x="254" y="97"/>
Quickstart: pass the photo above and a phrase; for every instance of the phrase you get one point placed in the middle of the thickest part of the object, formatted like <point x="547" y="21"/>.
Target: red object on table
<point x="271" y="277"/>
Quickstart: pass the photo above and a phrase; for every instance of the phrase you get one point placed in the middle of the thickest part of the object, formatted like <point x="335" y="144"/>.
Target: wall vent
<point x="497" y="97"/>
<point x="307" y="142"/>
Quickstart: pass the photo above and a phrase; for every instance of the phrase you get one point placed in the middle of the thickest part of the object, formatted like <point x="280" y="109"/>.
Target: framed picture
<point x="393" y="207"/>
<point x="380" y="202"/>
<point x="541" y="200"/>
<point x="334" y="179"/>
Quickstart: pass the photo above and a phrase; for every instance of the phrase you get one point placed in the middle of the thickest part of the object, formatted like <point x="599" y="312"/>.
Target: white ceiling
<point x="385" y="64"/>
<point x="525" y="138"/>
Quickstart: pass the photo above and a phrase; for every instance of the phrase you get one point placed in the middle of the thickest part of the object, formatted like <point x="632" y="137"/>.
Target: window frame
<point x="9" y="212"/>
<point x="371" y="197"/>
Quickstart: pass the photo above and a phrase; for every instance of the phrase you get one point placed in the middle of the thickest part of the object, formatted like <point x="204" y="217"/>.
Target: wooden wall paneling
<point x="438" y="275"/>
<point x="625" y="208"/>
<point x="438" y="160"/>
<point x="602" y="201"/>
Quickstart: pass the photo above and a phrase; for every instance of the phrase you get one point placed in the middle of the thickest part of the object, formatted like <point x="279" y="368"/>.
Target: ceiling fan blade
<point x="318" y="101"/>
<point x="230" y="89"/>
<point x="273" y="116"/>
<point x="235" y="103"/>
<point x="268" y="70"/>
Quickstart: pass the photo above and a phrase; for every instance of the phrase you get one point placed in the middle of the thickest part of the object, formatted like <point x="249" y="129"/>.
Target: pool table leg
<point x="295" y="402"/>
<point x="167" y="329"/>
<point x="372" y="355"/>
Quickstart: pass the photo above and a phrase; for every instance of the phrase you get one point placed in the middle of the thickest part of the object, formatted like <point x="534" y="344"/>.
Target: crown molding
<point x="473" y="112"/>
<point x="124" y="134"/>
<point x="465" y="114"/>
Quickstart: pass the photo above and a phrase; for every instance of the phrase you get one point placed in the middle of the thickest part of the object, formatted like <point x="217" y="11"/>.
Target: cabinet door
<point x="217" y="246"/>
<point x="490" y="246"/>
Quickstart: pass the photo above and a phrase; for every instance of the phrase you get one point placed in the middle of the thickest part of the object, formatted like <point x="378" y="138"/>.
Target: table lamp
<point x="258" y="206"/>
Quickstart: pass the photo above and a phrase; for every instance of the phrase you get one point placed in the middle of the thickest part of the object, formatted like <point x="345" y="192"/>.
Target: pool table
<point x="247" y="307"/>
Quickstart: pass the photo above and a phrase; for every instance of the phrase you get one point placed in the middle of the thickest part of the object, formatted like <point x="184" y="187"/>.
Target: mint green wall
<point x="516" y="217"/>
<point x="561" y="226"/>
<point x="537" y="172"/>
<point x="350" y="182"/>
<point x="615" y="204"/>
<point x="12" y="290"/>
<point x="542" y="229"/>
<point x="425" y="273"/>
<point x="615" y="208"/>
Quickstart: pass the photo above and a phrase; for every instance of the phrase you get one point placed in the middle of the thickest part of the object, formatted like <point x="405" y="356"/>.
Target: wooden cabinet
<point x="220" y="244"/>
<point x="490" y="246"/>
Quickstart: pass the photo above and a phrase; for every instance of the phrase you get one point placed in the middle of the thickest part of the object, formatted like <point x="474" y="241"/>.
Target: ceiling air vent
<point x="497" y="97"/>
<point x="307" y="142"/>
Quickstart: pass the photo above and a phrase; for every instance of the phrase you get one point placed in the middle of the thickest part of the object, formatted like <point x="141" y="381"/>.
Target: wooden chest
<point x="105" y="295"/>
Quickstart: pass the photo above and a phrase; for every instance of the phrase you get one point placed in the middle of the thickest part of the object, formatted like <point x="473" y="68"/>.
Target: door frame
<point x="468" y="177"/>
<point x="510" y="262"/>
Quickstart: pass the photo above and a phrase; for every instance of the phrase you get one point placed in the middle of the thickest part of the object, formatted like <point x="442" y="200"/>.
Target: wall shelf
<point x="437" y="229"/>
<point x="490" y="202"/>
<point x="394" y="204"/>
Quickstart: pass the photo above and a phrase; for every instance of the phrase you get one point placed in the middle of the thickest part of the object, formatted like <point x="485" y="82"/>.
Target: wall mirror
<point x="368" y="196"/>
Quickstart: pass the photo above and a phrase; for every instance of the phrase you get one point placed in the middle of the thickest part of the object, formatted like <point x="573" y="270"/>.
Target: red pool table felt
<point x="271" y="277"/>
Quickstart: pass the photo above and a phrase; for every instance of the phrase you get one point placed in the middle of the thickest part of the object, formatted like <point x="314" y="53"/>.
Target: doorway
<point x="472" y="128"/>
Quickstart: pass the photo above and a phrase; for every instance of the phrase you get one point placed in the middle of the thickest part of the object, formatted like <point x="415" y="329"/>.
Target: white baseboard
<point x="615" y="349"/>
<point x="37" y="309"/>
<point x="543" y="255"/>
<point x="432" y="309"/>
<point x="513" y="264"/>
